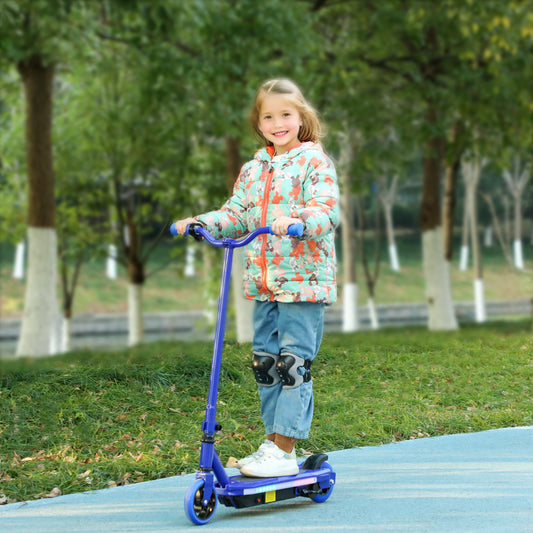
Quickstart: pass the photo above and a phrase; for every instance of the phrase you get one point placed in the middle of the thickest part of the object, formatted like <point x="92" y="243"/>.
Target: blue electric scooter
<point x="316" y="478"/>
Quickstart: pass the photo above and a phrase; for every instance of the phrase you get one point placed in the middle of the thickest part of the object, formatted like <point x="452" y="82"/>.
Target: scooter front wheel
<point x="198" y="512"/>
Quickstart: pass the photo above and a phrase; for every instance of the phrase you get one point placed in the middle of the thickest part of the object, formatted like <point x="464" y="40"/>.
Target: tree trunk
<point x="372" y="313"/>
<point x="387" y="198"/>
<point x="111" y="262"/>
<point x="448" y="215"/>
<point x="39" y="321"/>
<point x="350" y="318"/>
<point x="500" y="234"/>
<point x="465" y="234"/>
<point x="516" y="181"/>
<point x="517" y="244"/>
<point x="18" y="264"/>
<point x="472" y="175"/>
<point x="450" y="187"/>
<point x="66" y="335"/>
<point x="136" y="277"/>
<point x="441" y="314"/>
<point x="243" y="307"/>
<point x="135" y="315"/>
<point x="371" y="277"/>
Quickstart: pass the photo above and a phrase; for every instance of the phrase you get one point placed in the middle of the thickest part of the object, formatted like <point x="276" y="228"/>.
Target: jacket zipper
<point x="263" y="223"/>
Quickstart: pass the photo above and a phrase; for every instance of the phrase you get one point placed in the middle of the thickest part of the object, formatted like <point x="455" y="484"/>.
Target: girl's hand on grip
<point x="181" y="225"/>
<point x="281" y="224"/>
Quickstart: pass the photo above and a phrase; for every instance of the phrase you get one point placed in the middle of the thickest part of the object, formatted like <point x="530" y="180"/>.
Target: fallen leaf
<point x="232" y="463"/>
<point x="53" y="493"/>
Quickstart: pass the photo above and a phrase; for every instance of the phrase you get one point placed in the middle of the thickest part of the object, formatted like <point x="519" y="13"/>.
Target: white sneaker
<point x="273" y="463"/>
<point x="252" y="457"/>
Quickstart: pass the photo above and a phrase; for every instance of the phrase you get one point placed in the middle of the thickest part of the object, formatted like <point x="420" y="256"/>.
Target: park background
<point x="118" y="117"/>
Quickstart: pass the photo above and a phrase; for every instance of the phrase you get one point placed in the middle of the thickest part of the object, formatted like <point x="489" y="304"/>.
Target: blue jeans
<point x="295" y="328"/>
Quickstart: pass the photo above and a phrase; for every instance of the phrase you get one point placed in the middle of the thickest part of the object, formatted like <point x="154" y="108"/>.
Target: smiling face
<point x="279" y="122"/>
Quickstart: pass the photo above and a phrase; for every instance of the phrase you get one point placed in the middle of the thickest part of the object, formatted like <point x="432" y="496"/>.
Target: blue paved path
<point x="479" y="482"/>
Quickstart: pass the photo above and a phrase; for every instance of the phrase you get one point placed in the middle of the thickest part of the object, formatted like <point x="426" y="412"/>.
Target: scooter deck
<point x="242" y="491"/>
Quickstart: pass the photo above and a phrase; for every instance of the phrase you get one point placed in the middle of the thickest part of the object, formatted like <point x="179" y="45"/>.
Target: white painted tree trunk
<point x="189" y="260"/>
<point x="111" y="262"/>
<point x="465" y="235"/>
<point x="518" y="255"/>
<point x="487" y="241"/>
<point x="350" y="318"/>
<point x="243" y="308"/>
<point x="373" y="314"/>
<point x="66" y="335"/>
<point x="135" y="316"/>
<point x="441" y="313"/>
<point x="480" y="307"/>
<point x="463" y="259"/>
<point x="393" y="256"/>
<point x="18" y="265"/>
<point x="516" y="181"/>
<point x="387" y="197"/>
<point x="40" y="309"/>
<point x="471" y="169"/>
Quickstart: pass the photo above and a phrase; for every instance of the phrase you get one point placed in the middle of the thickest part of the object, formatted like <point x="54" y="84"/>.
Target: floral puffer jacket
<point x="300" y="183"/>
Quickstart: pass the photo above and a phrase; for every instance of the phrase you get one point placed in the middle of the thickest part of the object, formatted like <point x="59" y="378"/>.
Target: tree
<point x="30" y="33"/>
<point x="516" y="180"/>
<point x="439" y="60"/>
<point x="348" y="146"/>
<point x="472" y="166"/>
<point x="81" y="194"/>
<point x="139" y="141"/>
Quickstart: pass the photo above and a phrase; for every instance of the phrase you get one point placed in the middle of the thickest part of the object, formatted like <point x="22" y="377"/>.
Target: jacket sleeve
<point x="321" y="195"/>
<point x="230" y="220"/>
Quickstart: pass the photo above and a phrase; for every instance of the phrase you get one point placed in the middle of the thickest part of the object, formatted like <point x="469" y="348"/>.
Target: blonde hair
<point x="311" y="129"/>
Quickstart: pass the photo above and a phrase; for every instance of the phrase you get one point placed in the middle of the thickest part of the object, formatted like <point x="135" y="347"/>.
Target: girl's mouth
<point x="280" y="133"/>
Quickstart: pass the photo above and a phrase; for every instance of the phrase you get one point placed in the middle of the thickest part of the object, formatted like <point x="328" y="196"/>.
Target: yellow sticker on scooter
<point x="270" y="496"/>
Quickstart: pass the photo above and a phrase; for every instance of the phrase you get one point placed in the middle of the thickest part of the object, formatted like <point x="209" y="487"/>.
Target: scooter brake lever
<point x="192" y="232"/>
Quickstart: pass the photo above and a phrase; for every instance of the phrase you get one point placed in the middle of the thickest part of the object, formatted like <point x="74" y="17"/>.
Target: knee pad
<point x="293" y="370"/>
<point x="264" y="367"/>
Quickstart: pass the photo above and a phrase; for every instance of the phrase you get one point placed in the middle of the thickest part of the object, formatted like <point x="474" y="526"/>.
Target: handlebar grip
<point x="296" y="230"/>
<point x="188" y="231"/>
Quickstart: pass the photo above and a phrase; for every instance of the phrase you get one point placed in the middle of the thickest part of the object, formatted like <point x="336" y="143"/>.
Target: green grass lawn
<point x="90" y="420"/>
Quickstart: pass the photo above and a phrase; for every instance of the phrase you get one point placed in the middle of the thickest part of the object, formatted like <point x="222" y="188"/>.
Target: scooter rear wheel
<point x="322" y="497"/>
<point x="196" y="510"/>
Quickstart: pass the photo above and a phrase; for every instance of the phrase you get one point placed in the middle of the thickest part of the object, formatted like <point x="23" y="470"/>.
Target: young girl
<point x="291" y="279"/>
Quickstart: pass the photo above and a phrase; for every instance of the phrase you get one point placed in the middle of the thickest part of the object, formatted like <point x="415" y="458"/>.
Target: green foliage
<point x="39" y="27"/>
<point x="92" y="420"/>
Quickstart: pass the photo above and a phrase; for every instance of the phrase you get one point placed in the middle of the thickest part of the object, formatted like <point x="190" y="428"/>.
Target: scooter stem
<point x="210" y="426"/>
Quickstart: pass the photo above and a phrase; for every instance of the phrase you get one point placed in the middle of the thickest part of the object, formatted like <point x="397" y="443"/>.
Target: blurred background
<point x="118" y="117"/>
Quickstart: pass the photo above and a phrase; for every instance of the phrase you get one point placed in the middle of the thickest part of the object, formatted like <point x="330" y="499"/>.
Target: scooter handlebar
<point x="297" y="230"/>
<point x="199" y="232"/>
